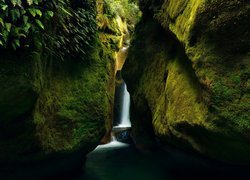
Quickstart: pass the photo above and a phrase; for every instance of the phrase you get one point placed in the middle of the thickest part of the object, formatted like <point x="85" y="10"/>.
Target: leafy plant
<point x="126" y="9"/>
<point x="77" y="31"/>
<point x="64" y="27"/>
<point x="18" y="19"/>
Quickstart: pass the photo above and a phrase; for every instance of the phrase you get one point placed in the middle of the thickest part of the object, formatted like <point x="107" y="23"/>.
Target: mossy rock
<point x="53" y="110"/>
<point x="18" y="94"/>
<point x="196" y="92"/>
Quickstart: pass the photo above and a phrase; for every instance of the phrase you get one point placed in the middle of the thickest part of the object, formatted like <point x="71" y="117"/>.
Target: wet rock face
<point x="181" y="65"/>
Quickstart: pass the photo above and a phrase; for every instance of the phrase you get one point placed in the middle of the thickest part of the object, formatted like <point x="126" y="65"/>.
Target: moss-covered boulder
<point x="188" y="73"/>
<point x="54" y="111"/>
<point x="52" y="108"/>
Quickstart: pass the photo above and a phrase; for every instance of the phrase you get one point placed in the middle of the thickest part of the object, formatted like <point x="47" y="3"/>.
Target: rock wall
<point x="188" y="73"/>
<point x="54" y="112"/>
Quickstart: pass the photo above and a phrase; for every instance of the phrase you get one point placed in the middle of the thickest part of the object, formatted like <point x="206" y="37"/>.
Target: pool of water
<point x="119" y="161"/>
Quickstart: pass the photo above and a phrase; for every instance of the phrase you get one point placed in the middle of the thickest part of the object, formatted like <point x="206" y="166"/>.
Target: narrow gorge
<point x="124" y="89"/>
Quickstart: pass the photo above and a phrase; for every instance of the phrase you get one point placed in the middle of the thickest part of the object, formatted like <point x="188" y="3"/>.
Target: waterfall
<point x="113" y="138"/>
<point x="125" y="112"/>
<point x="124" y="122"/>
<point x="112" y="144"/>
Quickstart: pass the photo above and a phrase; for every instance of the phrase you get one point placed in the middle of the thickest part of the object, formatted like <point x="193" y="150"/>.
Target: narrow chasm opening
<point x="119" y="134"/>
<point x="125" y="14"/>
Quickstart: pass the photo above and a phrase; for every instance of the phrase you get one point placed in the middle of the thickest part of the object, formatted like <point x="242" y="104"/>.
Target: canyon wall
<point x="54" y="111"/>
<point x="188" y="73"/>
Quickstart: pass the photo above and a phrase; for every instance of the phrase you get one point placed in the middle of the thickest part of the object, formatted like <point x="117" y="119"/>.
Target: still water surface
<point x="119" y="161"/>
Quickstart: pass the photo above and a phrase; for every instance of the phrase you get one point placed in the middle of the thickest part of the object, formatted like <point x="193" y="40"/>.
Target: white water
<point x="124" y="49"/>
<point x="112" y="144"/>
<point x="124" y="122"/>
<point x="125" y="113"/>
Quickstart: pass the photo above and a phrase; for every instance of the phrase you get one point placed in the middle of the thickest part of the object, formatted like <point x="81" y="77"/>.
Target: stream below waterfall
<point x="120" y="161"/>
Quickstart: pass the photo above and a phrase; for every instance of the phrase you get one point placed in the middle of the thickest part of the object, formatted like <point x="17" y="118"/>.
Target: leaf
<point x="39" y="23"/>
<point x="15" y="14"/>
<point x="23" y="11"/>
<point x="22" y="35"/>
<point x="30" y="2"/>
<point x="19" y="3"/>
<point x="13" y="45"/>
<point x="36" y="2"/>
<point x="14" y="2"/>
<point x="26" y="27"/>
<point x="50" y="13"/>
<point x="65" y="11"/>
<point x="4" y="7"/>
<point x="8" y="26"/>
<point x="38" y="12"/>
<point x="15" y="31"/>
<point x="5" y="35"/>
<point x="32" y="11"/>
<point x="17" y="42"/>
<point x="1" y="21"/>
<point x="25" y="19"/>
<point x="13" y="17"/>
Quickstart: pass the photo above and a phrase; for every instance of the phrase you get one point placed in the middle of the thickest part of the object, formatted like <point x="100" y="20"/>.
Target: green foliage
<point x="19" y="19"/>
<point x="124" y="8"/>
<point x="77" y="31"/>
<point x="64" y="27"/>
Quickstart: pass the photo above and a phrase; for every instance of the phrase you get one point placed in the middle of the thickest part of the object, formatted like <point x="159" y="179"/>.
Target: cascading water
<point x="124" y="121"/>
<point x="112" y="144"/>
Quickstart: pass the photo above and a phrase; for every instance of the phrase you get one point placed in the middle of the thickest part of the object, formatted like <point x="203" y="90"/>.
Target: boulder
<point x="188" y="74"/>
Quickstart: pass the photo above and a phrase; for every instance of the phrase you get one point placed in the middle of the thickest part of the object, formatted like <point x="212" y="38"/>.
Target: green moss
<point x="18" y="94"/>
<point x="54" y="112"/>
<point x="63" y="106"/>
<point x="74" y="104"/>
<point x="194" y="83"/>
<point x="165" y="80"/>
<point x="181" y="16"/>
